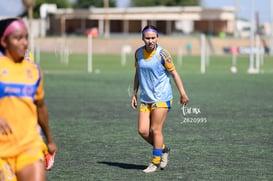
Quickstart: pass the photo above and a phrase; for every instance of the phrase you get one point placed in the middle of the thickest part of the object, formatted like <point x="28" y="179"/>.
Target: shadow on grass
<point x="124" y="165"/>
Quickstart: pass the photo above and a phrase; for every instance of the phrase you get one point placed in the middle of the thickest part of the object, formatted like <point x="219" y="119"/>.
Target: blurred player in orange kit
<point x="21" y="105"/>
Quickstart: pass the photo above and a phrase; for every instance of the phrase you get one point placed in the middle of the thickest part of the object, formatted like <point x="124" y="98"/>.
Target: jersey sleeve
<point x="167" y="60"/>
<point x="39" y="95"/>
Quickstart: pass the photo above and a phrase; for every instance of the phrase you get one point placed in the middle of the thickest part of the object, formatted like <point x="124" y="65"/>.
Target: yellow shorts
<point x="9" y="166"/>
<point x="149" y="107"/>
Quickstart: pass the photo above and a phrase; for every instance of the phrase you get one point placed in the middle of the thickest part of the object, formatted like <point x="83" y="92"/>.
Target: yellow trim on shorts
<point x="23" y="159"/>
<point x="149" y="107"/>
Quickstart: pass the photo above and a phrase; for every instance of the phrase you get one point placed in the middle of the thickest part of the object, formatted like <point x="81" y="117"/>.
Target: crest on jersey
<point x="4" y="72"/>
<point x="166" y="56"/>
<point x="29" y="74"/>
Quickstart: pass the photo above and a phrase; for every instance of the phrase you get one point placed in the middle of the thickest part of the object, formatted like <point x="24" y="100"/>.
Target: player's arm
<point x="136" y="85"/>
<point x="169" y="65"/>
<point x="43" y="122"/>
<point x="43" y="115"/>
<point x="178" y="81"/>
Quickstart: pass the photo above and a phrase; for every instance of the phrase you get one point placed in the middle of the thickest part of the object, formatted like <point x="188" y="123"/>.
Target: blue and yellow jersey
<point x="153" y="74"/>
<point x="20" y="85"/>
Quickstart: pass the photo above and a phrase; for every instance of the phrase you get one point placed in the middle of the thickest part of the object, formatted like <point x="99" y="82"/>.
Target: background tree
<point x="95" y="3"/>
<point x="84" y="4"/>
<point x="165" y="3"/>
<point x="36" y="9"/>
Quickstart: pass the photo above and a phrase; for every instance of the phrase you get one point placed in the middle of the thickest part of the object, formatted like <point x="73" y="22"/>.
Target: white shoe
<point x="164" y="157"/>
<point x="151" y="168"/>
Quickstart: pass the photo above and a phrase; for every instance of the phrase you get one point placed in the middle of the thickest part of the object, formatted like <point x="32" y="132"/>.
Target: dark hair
<point x="4" y="23"/>
<point x="148" y="28"/>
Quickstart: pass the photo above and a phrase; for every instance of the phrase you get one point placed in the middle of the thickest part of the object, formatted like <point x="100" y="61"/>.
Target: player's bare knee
<point x="143" y="132"/>
<point x="156" y="131"/>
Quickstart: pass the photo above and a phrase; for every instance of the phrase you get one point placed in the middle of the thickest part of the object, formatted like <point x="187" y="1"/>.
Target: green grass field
<point x="229" y="138"/>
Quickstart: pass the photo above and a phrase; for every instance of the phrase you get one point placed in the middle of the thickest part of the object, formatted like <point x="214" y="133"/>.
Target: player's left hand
<point x="52" y="148"/>
<point x="184" y="99"/>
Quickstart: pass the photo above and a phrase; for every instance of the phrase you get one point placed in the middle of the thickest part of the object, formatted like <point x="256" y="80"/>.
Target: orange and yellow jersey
<point x="20" y="85"/>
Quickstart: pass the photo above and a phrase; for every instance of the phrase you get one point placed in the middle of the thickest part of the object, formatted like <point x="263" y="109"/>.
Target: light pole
<point x="271" y="34"/>
<point x="29" y="4"/>
<point x="236" y="18"/>
<point x="107" y="23"/>
<point x="251" y="68"/>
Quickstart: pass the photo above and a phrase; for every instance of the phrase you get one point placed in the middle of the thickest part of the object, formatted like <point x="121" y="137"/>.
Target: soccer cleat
<point x="151" y="168"/>
<point x="49" y="161"/>
<point x="164" y="158"/>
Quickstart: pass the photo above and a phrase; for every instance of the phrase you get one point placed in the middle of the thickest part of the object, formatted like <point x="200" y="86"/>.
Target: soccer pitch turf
<point x="224" y="133"/>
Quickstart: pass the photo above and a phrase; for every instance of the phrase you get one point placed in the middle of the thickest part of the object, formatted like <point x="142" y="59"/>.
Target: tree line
<point x="85" y="4"/>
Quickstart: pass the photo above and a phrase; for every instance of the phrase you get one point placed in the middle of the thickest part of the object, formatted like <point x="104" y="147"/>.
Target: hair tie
<point x="150" y="30"/>
<point x="15" y="25"/>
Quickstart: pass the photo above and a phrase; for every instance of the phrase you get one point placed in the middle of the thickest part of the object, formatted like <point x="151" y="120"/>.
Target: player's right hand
<point x="5" y="129"/>
<point x="134" y="102"/>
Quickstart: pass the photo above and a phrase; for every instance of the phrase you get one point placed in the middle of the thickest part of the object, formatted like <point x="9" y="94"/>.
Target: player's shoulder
<point x="163" y="52"/>
<point x="139" y="49"/>
<point x="4" y="59"/>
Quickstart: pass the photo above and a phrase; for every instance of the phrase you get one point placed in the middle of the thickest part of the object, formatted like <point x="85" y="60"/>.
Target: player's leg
<point x="30" y="165"/>
<point x="165" y="149"/>
<point x="158" y="117"/>
<point x="144" y="123"/>
<point x="157" y="121"/>
<point x="32" y="172"/>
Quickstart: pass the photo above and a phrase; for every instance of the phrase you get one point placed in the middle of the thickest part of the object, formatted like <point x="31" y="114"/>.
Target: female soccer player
<point x="21" y="105"/>
<point x="154" y="66"/>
